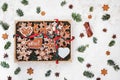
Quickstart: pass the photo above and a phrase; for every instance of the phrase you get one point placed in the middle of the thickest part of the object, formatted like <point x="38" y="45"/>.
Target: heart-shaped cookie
<point x="63" y="52"/>
<point x="26" y="31"/>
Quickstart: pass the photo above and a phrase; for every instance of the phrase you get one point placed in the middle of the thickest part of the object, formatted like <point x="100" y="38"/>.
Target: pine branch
<point x="17" y="70"/>
<point x="4" y="64"/>
<point x="106" y="17"/>
<point x="4" y="7"/>
<point x="91" y="9"/>
<point x="48" y="73"/>
<point x="88" y="74"/>
<point x="19" y="12"/>
<point x="63" y="3"/>
<point x="76" y="17"/>
<point x="111" y="43"/>
<point x="80" y="59"/>
<point x="116" y="67"/>
<point x="4" y="25"/>
<point x="24" y="2"/>
<point x="7" y="45"/>
<point x="82" y="48"/>
<point x="111" y="62"/>
<point x="30" y="79"/>
<point x="95" y="40"/>
<point x="38" y="10"/>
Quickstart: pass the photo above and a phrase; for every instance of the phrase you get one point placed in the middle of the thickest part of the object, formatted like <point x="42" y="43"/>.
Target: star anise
<point x="5" y="55"/>
<point x="57" y="74"/>
<point x="9" y="78"/>
<point x="81" y="35"/>
<point x="88" y="65"/>
<point x="98" y="79"/>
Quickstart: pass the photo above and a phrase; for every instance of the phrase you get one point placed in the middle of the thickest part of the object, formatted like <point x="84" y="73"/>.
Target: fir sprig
<point x="91" y="9"/>
<point x="30" y="79"/>
<point x="106" y="17"/>
<point x="113" y="64"/>
<point x="80" y="59"/>
<point x="38" y="10"/>
<point x="4" y="25"/>
<point x="4" y="64"/>
<point x="4" y="7"/>
<point x="48" y="73"/>
<point x="88" y="74"/>
<point x="63" y="3"/>
<point x="76" y="17"/>
<point x="7" y="45"/>
<point x="17" y="70"/>
<point x="24" y="2"/>
<point x="19" y="12"/>
<point x="82" y="48"/>
<point x="111" y="43"/>
<point x="95" y="40"/>
<point x="116" y="67"/>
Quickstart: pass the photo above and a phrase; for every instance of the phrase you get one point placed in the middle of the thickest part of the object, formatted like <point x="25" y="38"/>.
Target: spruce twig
<point x="76" y="17"/>
<point x="24" y="2"/>
<point x="7" y="45"/>
<point x="19" y="12"/>
<point x="106" y="17"/>
<point x="4" y="7"/>
<point x="4" y="25"/>
<point x="17" y="70"/>
<point x="4" y="64"/>
<point x="80" y="59"/>
<point x="48" y="73"/>
<point x="88" y="74"/>
<point x="63" y="3"/>
<point x="38" y="10"/>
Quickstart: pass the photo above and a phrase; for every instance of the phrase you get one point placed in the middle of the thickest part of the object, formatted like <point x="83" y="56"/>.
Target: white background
<point x="94" y="55"/>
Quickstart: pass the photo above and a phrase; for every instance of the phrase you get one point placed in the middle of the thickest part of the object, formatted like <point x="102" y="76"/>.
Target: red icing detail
<point x="57" y="62"/>
<point x="71" y="39"/>
<point x="56" y="20"/>
<point x="34" y="35"/>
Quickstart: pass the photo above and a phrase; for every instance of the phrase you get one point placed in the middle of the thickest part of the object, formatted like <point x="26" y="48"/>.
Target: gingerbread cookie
<point x="43" y="40"/>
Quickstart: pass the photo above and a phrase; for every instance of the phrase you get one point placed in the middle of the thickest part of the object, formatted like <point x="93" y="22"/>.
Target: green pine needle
<point x="4" y="25"/>
<point x="91" y="9"/>
<point x="88" y="74"/>
<point x="116" y="68"/>
<point x="4" y="64"/>
<point x="82" y="48"/>
<point x="63" y="3"/>
<point x="24" y="2"/>
<point x="19" y="12"/>
<point x="30" y="79"/>
<point x="110" y="62"/>
<point x="111" y="43"/>
<point x="106" y="17"/>
<point x="7" y="45"/>
<point x="95" y="40"/>
<point x="17" y="70"/>
<point x="38" y="10"/>
<point x="4" y="7"/>
<point x="80" y="59"/>
<point x="76" y="17"/>
<point x="48" y="73"/>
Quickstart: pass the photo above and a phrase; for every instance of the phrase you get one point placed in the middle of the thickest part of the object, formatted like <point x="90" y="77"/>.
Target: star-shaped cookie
<point x="105" y="7"/>
<point x="104" y="71"/>
<point x="5" y="36"/>
<point x="30" y="71"/>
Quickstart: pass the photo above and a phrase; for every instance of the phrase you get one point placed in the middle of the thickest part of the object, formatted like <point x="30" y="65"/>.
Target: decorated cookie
<point x="43" y="40"/>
